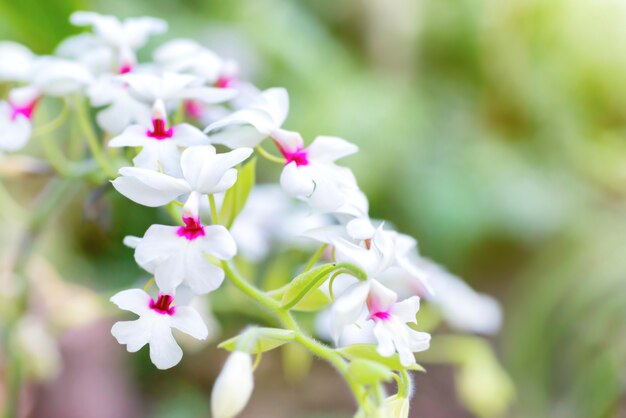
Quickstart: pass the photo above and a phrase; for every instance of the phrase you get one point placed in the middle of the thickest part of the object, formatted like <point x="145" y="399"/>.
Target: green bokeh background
<point x="493" y="131"/>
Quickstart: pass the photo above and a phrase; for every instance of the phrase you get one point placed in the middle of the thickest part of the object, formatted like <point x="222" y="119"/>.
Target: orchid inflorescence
<point x="191" y="126"/>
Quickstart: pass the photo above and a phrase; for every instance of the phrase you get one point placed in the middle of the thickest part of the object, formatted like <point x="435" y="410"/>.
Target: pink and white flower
<point x="204" y="172"/>
<point x="377" y="305"/>
<point x="154" y="325"/>
<point x="160" y="143"/>
<point x="311" y="173"/>
<point x="15" y="118"/>
<point x="178" y="255"/>
<point x="391" y="318"/>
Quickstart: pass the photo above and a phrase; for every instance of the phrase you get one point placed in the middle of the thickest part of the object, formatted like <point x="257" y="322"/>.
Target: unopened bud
<point x="233" y="386"/>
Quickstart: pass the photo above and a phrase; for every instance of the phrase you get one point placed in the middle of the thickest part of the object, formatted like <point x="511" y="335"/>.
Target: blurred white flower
<point x="154" y="326"/>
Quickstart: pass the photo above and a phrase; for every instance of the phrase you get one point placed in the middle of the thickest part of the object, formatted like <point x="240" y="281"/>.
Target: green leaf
<point x="368" y="352"/>
<point x="367" y="372"/>
<point x="313" y="301"/>
<point x="310" y="280"/>
<point x="306" y="282"/>
<point x="265" y="339"/>
<point x="237" y="196"/>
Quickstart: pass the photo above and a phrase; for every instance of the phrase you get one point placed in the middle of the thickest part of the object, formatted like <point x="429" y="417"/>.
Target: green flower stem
<point x="314" y="259"/>
<point x="290" y="323"/>
<point x="265" y="154"/>
<point x="53" y="125"/>
<point x="93" y="141"/>
<point x="404" y="389"/>
<point x="214" y="217"/>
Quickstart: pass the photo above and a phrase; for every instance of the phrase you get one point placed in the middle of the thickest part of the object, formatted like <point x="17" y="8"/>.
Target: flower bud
<point x="233" y="386"/>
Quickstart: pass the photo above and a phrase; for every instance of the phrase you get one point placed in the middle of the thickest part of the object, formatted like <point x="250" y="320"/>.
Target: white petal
<point x="384" y="337"/>
<point x="137" y="30"/>
<point x="187" y="135"/>
<point x="277" y="100"/>
<point x="208" y="172"/>
<point x="200" y="275"/>
<point x="134" y="334"/>
<point x="208" y="95"/>
<point x="296" y="180"/>
<point x="380" y="298"/>
<point x="169" y="272"/>
<point x="238" y="137"/>
<point x="360" y="229"/>
<point x="406" y="311"/>
<point x="164" y="351"/>
<point x="348" y="307"/>
<point x="16" y="61"/>
<point x="158" y="243"/>
<point x="330" y="148"/>
<point x="14" y="134"/>
<point x="149" y="188"/>
<point x="57" y="77"/>
<point x="218" y="242"/>
<point x="189" y="321"/>
<point x="417" y="341"/>
<point x="133" y="136"/>
<point x="133" y="300"/>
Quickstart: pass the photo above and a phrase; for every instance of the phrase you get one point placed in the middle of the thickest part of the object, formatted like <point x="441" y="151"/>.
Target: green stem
<point x="93" y="141"/>
<point x="214" y="217"/>
<point x="46" y="203"/>
<point x="314" y="259"/>
<point x="54" y="124"/>
<point x="269" y="156"/>
<point x="287" y="320"/>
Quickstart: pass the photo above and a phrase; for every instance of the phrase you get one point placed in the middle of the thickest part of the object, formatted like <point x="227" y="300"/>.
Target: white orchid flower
<point x="188" y="56"/>
<point x="462" y="307"/>
<point x="121" y="109"/>
<point x="122" y="38"/>
<point x="391" y="319"/>
<point x="159" y="142"/>
<point x="154" y="325"/>
<point x="177" y="255"/>
<point x="174" y="88"/>
<point x="247" y="127"/>
<point x="15" y="118"/>
<point x="311" y="173"/>
<point x="204" y="172"/>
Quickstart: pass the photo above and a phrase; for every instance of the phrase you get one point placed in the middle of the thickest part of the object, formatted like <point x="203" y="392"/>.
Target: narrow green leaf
<point x="305" y="283"/>
<point x="237" y="196"/>
<point x="368" y="352"/>
<point x="310" y="280"/>
<point x="266" y="339"/>
<point x="313" y="301"/>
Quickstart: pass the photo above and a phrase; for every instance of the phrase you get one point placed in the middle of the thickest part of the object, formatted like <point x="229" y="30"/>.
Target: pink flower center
<point x="300" y="156"/>
<point x="191" y="230"/>
<point x="380" y="316"/>
<point x="193" y="109"/>
<point x="224" y="82"/>
<point x="26" y="111"/>
<point x="125" y="69"/>
<point x="163" y="305"/>
<point x="159" y="131"/>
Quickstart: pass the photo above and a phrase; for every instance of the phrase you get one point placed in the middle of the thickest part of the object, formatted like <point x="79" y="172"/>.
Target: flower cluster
<point x="191" y="126"/>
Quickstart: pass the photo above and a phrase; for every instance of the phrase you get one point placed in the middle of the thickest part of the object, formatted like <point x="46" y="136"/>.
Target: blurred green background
<point x="492" y="131"/>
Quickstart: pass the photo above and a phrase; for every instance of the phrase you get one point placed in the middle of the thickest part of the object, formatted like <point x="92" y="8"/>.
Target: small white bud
<point x="233" y="386"/>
